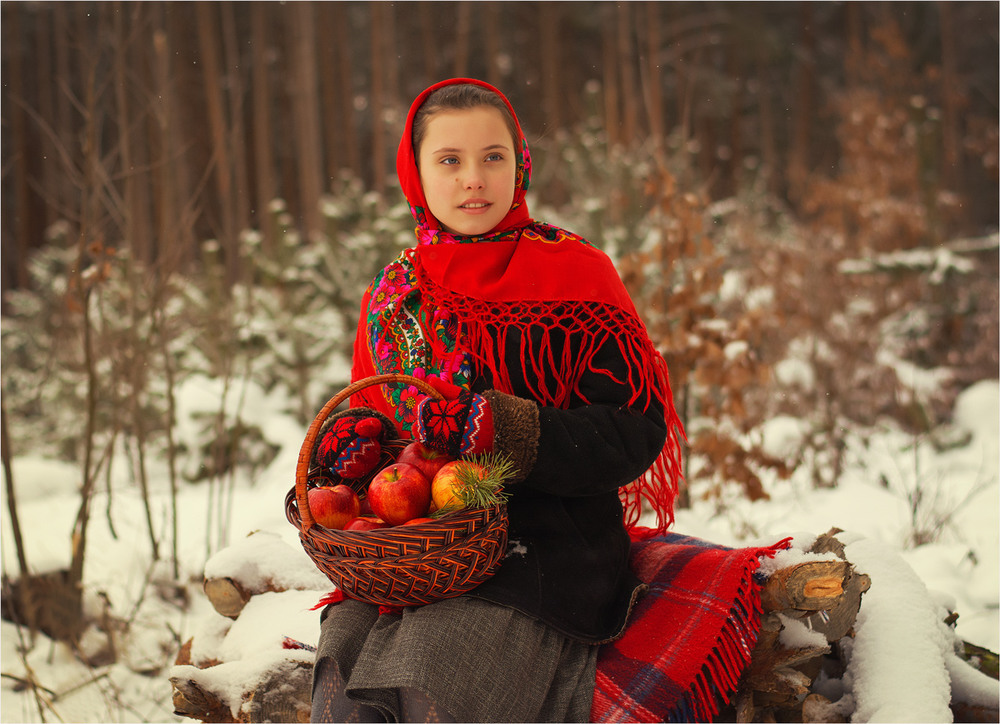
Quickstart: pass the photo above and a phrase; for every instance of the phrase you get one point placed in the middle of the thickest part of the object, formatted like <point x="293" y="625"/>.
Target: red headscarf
<point x="409" y="176"/>
<point x="461" y="296"/>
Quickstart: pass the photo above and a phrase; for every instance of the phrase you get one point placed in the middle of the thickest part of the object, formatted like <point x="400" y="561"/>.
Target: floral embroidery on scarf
<point x="400" y="343"/>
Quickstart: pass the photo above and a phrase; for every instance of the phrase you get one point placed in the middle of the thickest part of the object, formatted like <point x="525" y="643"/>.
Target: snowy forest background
<point x="801" y="198"/>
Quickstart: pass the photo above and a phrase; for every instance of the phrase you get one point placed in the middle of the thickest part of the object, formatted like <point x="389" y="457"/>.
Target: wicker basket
<point x="405" y="565"/>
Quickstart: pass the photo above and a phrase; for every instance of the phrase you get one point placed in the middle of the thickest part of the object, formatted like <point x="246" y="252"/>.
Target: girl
<point x="530" y="334"/>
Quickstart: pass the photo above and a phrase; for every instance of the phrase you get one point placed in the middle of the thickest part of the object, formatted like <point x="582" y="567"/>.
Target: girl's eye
<point x="495" y="157"/>
<point x="449" y="160"/>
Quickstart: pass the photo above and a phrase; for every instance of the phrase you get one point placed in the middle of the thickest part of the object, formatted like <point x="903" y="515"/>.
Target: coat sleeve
<point x="601" y="445"/>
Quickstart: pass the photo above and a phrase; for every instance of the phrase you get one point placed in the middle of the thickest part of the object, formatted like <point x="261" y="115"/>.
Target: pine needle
<point x="480" y="483"/>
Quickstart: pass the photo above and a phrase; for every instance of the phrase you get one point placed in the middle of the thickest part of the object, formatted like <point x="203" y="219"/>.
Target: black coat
<point x="568" y="554"/>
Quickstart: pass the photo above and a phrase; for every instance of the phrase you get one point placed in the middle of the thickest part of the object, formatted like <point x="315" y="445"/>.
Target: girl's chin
<point x="470" y="228"/>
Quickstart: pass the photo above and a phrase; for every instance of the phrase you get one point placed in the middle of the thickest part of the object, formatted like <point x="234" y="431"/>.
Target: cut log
<point x="812" y="586"/>
<point x="227" y="596"/>
<point x="284" y="696"/>
<point x="192" y="701"/>
<point x="817" y="708"/>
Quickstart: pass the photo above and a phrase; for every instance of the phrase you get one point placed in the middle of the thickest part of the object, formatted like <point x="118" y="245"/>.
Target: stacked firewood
<point x="809" y="609"/>
<point x="823" y="596"/>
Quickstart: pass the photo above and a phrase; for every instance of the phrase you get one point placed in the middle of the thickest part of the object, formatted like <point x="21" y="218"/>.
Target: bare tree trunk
<point x="345" y="66"/>
<point x="491" y="13"/>
<point x="237" y="135"/>
<point x="20" y="143"/>
<point x="330" y="115"/>
<point x="802" y="111"/>
<point x="428" y="41"/>
<point x="266" y="186"/>
<point x="221" y="162"/>
<point x="855" y="43"/>
<point x="626" y="54"/>
<point x="135" y="216"/>
<point x="950" y="93"/>
<point x="52" y="176"/>
<point x="548" y="21"/>
<point x="609" y="59"/>
<point x="735" y="72"/>
<point x="463" y="29"/>
<point x="378" y="11"/>
<point x="306" y="108"/>
<point x="8" y="472"/>
<point x="768" y="149"/>
<point x="653" y="76"/>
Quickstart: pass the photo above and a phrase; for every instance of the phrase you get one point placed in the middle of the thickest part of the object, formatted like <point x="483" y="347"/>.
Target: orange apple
<point x="425" y="459"/>
<point x="446" y="483"/>
<point x="334" y="507"/>
<point x="366" y="522"/>
<point x="399" y="492"/>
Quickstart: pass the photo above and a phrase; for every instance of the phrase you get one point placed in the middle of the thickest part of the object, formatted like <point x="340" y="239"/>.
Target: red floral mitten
<point x="352" y="446"/>
<point x="455" y="426"/>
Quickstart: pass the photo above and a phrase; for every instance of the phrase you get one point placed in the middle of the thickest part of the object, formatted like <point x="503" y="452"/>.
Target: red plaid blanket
<point x="689" y="638"/>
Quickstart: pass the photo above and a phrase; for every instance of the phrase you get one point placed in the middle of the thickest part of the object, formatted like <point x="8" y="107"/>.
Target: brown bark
<point x="609" y="59"/>
<point x="629" y="93"/>
<point x="190" y="699"/>
<point x="653" y="76"/>
<point x="462" y="14"/>
<point x="950" y="94"/>
<point x="348" y="120"/>
<point x="491" y="22"/>
<point x="378" y="157"/>
<point x="283" y="696"/>
<point x="329" y="116"/>
<point x="306" y="109"/>
<point x="428" y="40"/>
<point x="803" y="113"/>
<point x="14" y="111"/>
<point x="220" y="151"/>
<point x="263" y="153"/>
<point x="548" y="30"/>
<point x="236" y="94"/>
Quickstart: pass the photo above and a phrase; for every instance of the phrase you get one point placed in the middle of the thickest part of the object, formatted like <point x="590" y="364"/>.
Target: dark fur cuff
<point x="516" y="430"/>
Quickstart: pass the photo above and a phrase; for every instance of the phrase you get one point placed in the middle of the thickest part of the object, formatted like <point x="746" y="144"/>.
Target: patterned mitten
<point x="455" y="426"/>
<point x="352" y="445"/>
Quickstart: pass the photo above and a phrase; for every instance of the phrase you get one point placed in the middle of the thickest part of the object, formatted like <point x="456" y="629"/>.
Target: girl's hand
<point x="460" y="424"/>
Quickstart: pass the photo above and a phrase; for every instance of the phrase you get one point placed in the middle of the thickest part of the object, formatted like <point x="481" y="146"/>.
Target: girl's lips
<point x="475" y="206"/>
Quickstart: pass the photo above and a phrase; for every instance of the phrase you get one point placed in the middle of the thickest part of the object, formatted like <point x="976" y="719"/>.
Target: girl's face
<point x="467" y="167"/>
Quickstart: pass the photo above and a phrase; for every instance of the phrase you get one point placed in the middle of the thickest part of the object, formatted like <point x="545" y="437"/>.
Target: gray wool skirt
<point x="479" y="661"/>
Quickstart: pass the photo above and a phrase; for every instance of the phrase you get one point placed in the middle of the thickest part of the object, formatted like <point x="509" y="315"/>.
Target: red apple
<point x="419" y="521"/>
<point x="423" y="458"/>
<point x="334" y="507"/>
<point x="366" y="522"/>
<point x="366" y="508"/>
<point x="399" y="493"/>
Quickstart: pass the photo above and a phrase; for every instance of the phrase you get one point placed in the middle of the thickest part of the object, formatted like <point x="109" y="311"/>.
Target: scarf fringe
<point x="720" y="675"/>
<point x="553" y="379"/>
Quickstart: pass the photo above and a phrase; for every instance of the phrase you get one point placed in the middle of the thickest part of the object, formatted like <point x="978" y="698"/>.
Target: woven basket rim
<point x="312" y="434"/>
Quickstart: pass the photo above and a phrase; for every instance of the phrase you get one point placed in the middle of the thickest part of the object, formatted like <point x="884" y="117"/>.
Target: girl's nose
<point x="473" y="179"/>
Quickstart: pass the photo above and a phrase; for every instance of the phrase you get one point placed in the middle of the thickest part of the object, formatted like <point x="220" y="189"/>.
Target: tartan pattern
<point x="688" y="639"/>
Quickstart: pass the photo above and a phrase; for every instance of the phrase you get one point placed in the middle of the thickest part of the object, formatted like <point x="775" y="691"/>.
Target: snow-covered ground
<point x="901" y="667"/>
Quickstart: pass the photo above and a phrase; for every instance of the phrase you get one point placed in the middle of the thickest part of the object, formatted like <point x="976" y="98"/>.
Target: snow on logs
<point x="805" y="666"/>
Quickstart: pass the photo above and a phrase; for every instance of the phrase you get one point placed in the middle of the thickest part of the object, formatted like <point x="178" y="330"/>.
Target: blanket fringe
<point x="720" y="674"/>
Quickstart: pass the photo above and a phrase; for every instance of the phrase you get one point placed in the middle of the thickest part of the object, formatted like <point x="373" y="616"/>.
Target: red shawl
<point x="522" y="276"/>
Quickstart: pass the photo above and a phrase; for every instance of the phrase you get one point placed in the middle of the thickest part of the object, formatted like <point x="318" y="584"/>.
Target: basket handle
<point x="305" y="454"/>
